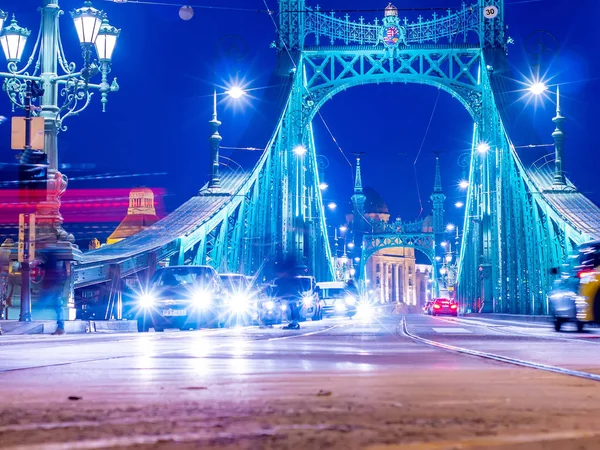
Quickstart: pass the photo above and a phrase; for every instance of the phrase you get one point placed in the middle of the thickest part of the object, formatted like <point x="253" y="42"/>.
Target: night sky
<point x="167" y="68"/>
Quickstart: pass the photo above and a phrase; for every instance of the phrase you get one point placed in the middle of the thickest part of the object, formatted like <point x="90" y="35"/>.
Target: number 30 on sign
<point x="490" y="12"/>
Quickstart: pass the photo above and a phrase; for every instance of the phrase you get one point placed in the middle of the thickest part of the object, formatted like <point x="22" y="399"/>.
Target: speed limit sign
<point x="490" y="12"/>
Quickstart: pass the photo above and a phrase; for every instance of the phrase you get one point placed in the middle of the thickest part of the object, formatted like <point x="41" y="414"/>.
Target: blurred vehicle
<point x="241" y="299"/>
<point x="575" y="296"/>
<point x="181" y="297"/>
<point x="427" y="307"/>
<point x="443" y="306"/>
<point x="270" y="309"/>
<point x="337" y="299"/>
<point x="303" y="291"/>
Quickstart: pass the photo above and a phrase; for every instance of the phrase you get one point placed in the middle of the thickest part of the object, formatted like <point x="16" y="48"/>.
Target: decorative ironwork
<point x="455" y="27"/>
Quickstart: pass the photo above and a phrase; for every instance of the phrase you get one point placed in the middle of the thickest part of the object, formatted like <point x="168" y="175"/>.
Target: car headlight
<point x="283" y="307"/>
<point x="239" y="303"/>
<point x="364" y="311"/>
<point x="307" y="301"/>
<point x="350" y="300"/>
<point x="270" y="305"/>
<point x="202" y="299"/>
<point x="146" y="300"/>
<point x="339" y="306"/>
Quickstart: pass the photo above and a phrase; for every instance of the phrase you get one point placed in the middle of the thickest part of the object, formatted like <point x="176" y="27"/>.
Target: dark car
<point x="303" y="291"/>
<point x="181" y="297"/>
<point x="444" y="306"/>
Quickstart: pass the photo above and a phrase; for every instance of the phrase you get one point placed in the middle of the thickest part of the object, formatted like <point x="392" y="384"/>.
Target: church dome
<point x="374" y="203"/>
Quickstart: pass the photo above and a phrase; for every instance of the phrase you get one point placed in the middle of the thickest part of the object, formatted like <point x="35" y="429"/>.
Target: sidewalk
<point x="14" y="327"/>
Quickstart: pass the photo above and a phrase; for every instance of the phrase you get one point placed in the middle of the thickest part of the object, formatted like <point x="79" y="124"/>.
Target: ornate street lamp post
<point x="65" y="94"/>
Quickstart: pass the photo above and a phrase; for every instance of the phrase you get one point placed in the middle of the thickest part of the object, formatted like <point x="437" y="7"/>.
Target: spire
<point x="437" y="186"/>
<point x="358" y="202"/>
<point x="358" y="187"/>
<point x="559" y="138"/>
<point x="215" y="142"/>
<point x="438" y="198"/>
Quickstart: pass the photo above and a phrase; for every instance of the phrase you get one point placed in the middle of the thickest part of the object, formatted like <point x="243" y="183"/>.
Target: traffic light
<point x="33" y="174"/>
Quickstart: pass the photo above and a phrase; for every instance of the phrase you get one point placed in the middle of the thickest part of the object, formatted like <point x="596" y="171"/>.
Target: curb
<point x="16" y="328"/>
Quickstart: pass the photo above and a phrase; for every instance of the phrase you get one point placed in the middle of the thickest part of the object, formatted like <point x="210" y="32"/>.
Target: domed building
<point x="140" y="215"/>
<point x="392" y="274"/>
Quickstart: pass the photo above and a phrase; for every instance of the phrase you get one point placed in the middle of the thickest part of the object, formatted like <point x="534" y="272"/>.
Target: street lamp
<point x="331" y="206"/>
<point x="236" y="92"/>
<point x="463" y="184"/>
<point x="459" y="204"/>
<point x="13" y="39"/>
<point x="300" y="150"/>
<point x="538" y="88"/>
<point x="450" y="227"/>
<point x="323" y="186"/>
<point x="483" y="147"/>
<point x="61" y="96"/>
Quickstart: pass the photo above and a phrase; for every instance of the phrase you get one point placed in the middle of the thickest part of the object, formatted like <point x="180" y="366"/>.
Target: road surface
<point x="335" y="384"/>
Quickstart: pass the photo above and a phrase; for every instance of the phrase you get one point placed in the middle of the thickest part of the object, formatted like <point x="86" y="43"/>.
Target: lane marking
<point x="452" y="330"/>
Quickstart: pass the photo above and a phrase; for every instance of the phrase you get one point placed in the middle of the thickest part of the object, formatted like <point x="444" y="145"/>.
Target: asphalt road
<point x="339" y="384"/>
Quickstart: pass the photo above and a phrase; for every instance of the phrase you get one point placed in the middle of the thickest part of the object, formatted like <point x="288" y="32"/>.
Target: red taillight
<point x="582" y="273"/>
<point x="453" y="306"/>
<point x="436" y="306"/>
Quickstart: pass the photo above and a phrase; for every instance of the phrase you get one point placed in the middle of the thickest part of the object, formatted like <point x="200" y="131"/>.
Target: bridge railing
<point x="455" y="26"/>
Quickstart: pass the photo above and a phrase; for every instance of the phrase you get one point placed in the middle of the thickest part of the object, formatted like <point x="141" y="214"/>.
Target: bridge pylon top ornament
<point x="391" y="33"/>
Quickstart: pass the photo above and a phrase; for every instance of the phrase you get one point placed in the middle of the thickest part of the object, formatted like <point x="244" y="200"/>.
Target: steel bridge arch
<point x="468" y="94"/>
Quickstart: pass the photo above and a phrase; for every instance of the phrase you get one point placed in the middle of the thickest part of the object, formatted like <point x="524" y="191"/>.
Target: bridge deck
<point x="572" y="205"/>
<point x="180" y="222"/>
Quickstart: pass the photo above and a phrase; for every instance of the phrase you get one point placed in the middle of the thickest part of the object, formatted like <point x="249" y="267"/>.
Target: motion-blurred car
<point x="427" y="307"/>
<point x="444" y="306"/>
<point x="575" y="296"/>
<point x="336" y="299"/>
<point x="181" y="297"/>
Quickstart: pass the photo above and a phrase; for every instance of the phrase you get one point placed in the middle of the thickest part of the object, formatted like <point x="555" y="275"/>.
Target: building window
<point x="410" y="270"/>
<point x="410" y="283"/>
<point x="377" y="268"/>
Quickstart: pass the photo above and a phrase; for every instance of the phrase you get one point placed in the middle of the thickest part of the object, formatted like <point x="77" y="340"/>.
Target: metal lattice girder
<point x="372" y="243"/>
<point x="331" y="71"/>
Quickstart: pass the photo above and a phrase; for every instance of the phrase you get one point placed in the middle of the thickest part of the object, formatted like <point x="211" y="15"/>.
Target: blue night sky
<point x="167" y="67"/>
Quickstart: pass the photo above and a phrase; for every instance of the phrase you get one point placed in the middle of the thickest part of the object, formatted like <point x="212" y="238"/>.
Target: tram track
<point x="402" y="330"/>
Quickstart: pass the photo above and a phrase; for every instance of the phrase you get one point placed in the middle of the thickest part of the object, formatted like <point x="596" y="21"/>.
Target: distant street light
<point x="351" y="245"/>
<point x="538" y="88"/>
<point x="323" y="186"/>
<point x="459" y="204"/>
<point x="444" y="244"/>
<point x="463" y="184"/>
<point x="236" y="92"/>
<point x="483" y="147"/>
<point x="332" y="206"/>
<point x="343" y="228"/>
<point x="300" y="150"/>
<point x="450" y="227"/>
